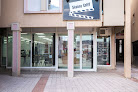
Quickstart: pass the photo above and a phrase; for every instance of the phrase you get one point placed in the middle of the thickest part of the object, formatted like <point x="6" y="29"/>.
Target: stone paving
<point x="58" y="82"/>
<point x="24" y="83"/>
<point x="89" y="82"/>
<point x="105" y="80"/>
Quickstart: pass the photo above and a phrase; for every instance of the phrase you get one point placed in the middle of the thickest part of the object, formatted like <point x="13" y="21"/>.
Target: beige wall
<point x="13" y="11"/>
<point x="113" y="12"/>
<point x="134" y="27"/>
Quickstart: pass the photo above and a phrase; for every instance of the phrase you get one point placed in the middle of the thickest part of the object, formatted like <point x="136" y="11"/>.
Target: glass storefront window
<point x="77" y="52"/>
<point x="4" y="50"/>
<point x="62" y="51"/>
<point x="103" y="50"/>
<point x="43" y="50"/>
<point x="53" y="4"/>
<point x="87" y="51"/>
<point x="3" y="47"/>
<point x="9" y="63"/>
<point x="25" y="49"/>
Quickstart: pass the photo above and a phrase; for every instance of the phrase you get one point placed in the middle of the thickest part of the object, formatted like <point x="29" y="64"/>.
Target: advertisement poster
<point x="81" y="10"/>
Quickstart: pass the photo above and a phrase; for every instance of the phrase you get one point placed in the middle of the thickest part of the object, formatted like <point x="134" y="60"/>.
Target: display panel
<point x="103" y="50"/>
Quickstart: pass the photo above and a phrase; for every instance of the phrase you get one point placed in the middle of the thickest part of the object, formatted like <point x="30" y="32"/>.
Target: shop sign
<point x="81" y="10"/>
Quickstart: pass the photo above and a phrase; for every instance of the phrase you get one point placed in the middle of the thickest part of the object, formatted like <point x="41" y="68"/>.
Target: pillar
<point x="70" y="28"/>
<point x="70" y="53"/>
<point x="16" y="51"/>
<point x="127" y="40"/>
<point x="113" y="49"/>
<point x="95" y="50"/>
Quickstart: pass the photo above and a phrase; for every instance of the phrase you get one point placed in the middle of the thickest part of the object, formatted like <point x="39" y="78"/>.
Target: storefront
<point x="44" y="39"/>
<point x="50" y="49"/>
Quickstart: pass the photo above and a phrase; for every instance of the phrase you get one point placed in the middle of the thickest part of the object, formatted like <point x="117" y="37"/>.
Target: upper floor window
<point x="42" y="6"/>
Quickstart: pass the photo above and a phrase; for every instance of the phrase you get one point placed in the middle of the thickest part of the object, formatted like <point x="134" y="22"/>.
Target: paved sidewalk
<point x="90" y="82"/>
<point x="105" y="80"/>
<point x="25" y="83"/>
<point x="58" y="82"/>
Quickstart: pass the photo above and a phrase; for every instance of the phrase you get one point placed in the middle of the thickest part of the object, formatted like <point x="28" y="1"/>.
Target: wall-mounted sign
<point x="81" y="10"/>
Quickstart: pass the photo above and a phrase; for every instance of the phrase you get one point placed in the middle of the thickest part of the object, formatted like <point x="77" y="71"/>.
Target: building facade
<point x="134" y="28"/>
<point x="65" y="35"/>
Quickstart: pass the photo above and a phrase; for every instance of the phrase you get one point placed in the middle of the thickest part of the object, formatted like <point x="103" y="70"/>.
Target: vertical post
<point x="81" y="51"/>
<point x="70" y="28"/>
<point x="95" y="50"/>
<point x="70" y="52"/>
<point x="113" y="49"/>
<point x="16" y="46"/>
<point x="127" y="40"/>
<point x="56" y="50"/>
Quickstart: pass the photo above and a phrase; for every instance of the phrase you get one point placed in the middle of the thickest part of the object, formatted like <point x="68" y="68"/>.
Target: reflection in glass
<point x="4" y="47"/>
<point x="103" y="50"/>
<point x="9" y="63"/>
<point x="62" y="51"/>
<point x="43" y="50"/>
<point x="77" y="52"/>
<point x="87" y="51"/>
<point x="53" y="4"/>
<point x="25" y="49"/>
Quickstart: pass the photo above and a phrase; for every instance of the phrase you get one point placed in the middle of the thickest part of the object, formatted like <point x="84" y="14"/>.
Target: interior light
<point x="41" y="36"/>
<point x="24" y="33"/>
<point x="40" y="33"/>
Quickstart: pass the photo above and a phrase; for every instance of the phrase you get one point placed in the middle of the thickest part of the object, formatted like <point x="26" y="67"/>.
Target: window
<point x="103" y="50"/>
<point x="42" y="6"/>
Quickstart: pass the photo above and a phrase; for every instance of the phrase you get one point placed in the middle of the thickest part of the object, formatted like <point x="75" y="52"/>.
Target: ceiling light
<point x="40" y="33"/>
<point x="41" y="36"/>
<point x="24" y="33"/>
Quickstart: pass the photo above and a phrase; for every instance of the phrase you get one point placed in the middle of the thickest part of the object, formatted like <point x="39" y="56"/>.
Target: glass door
<point x="43" y="50"/>
<point x="3" y="48"/>
<point x="62" y="51"/>
<point x="77" y="51"/>
<point x="87" y="51"/>
<point x="83" y="51"/>
<point x="25" y="49"/>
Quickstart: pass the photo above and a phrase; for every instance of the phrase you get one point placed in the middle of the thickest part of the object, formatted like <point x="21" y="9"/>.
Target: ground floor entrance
<point x="38" y="50"/>
<point x="83" y="51"/>
<point x="48" y="48"/>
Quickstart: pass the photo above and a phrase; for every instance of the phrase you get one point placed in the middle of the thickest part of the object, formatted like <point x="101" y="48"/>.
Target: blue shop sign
<point x="81" y="10"/>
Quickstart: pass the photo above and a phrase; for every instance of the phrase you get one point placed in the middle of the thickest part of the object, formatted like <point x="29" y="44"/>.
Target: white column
<point x="56" y="51"/>
<point x="70" y="53"/>
<point x="80" y="51"/>
<point x="113" y="49"/>
<point x="95" y="50"/>
<point x="16" y="53"/>
<point x="127" y="40"/>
